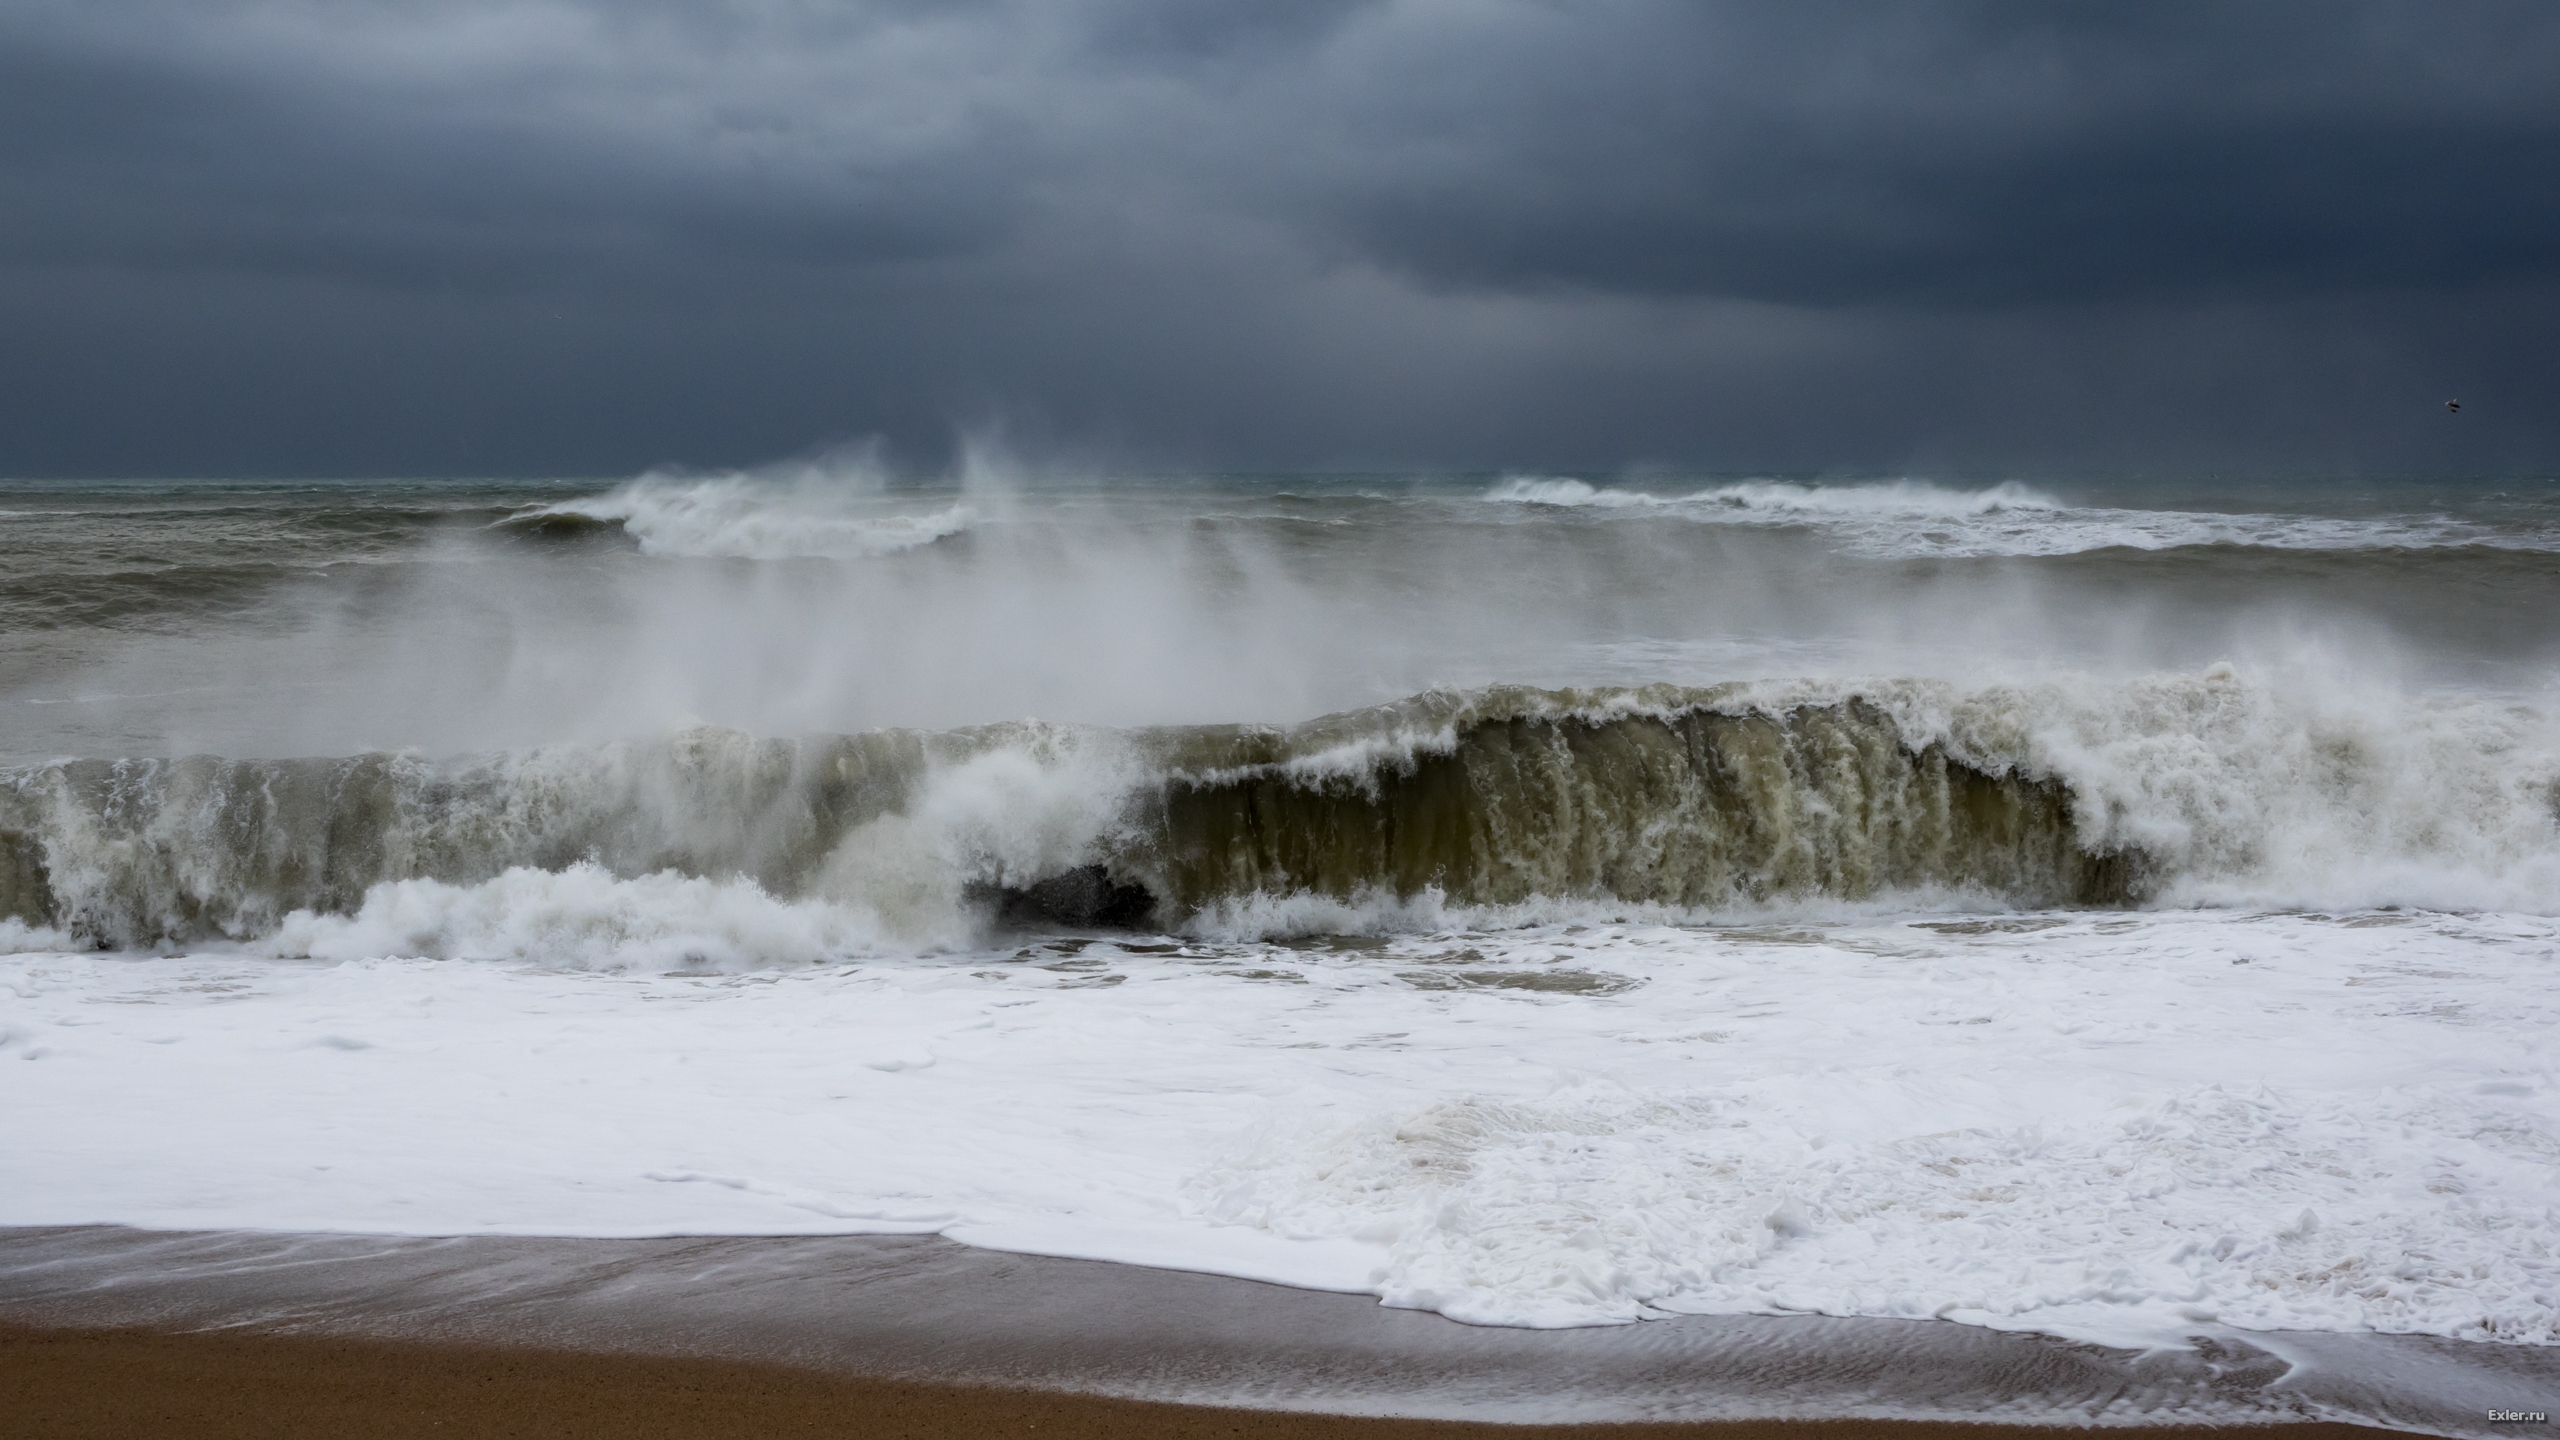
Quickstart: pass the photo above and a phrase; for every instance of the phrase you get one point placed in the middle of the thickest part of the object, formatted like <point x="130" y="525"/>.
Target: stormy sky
<point x="584" y="238"/>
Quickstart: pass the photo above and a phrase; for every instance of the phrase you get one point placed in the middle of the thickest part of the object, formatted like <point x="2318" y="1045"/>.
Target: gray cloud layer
<point x="420" y="237"/>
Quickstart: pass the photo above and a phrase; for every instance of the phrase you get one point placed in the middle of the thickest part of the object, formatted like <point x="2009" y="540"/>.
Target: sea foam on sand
<point x="2124" y="1127"/>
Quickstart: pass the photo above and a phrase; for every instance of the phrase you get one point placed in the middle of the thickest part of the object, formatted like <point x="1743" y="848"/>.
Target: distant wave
<point x="1773" y="497"/>
<point x="1493" y="807"/>
<point x="554" y="522"/>
<point x="1912" y="519"/>
<point x="1540" y="490"/>
<point x="748" y="518"/>
<point x="1900" y="497"/>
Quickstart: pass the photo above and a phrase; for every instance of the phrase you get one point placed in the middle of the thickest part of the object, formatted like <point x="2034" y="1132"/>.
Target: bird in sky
<point x="2453" y="407"/>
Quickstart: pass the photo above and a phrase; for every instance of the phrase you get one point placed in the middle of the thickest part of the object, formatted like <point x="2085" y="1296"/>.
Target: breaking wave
<point x="1486" y="807"/>
<point x="743" y="517"/>
<point x="1909" y="518"/>
<point x="1909" y="498"/>
<point x="584" y="916"/>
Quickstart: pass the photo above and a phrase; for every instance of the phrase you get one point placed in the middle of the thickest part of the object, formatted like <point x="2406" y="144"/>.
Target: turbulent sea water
<point x="2102" y="909"/>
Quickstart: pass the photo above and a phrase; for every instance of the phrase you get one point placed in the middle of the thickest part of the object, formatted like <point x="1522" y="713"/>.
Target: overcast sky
<point x="408" y="237"/>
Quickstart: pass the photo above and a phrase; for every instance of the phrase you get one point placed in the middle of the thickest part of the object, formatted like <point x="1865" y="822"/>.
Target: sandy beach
<point x="112" y="1331"/>
<point x="77" y="1384"/>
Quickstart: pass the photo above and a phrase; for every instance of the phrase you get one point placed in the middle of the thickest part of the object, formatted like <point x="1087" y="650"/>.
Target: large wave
<point x="1487" y="807"/>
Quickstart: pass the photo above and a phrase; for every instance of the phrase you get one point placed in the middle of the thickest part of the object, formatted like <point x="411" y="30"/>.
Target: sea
<point x="2117" y="909"/>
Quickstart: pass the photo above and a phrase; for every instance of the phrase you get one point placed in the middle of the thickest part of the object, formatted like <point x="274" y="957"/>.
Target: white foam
<point x="1017" y="812"/>
<point x="1909" y="498"/>
<point x="2119" y="1127"/>
<point x="1781" y="502"/>
<point x="1909" y="519"/>
<point x="584" y="917"/>
<point x="2044" y="1184"/>
<point x="761" y="517"/>
<point x="1551" y="490"/>
<point x="1013" y="815"/>
<point x="17" y="937"/>
<point x="2274" y="789"/>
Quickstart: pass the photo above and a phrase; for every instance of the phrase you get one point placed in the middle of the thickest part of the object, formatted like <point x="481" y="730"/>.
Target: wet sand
<point x="74" y="1385"/>
<point x="111" y="1331"/>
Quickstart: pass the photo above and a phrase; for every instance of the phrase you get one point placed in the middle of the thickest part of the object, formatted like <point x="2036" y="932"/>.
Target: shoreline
<point x="948" y="1330"/>
<point x="96" y="1384"/>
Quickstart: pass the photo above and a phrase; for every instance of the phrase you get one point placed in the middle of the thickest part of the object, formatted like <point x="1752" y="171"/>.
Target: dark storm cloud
<point x="166" y="157"/>
<point x="512" y="235"/>
<point x="1983" y="153"/>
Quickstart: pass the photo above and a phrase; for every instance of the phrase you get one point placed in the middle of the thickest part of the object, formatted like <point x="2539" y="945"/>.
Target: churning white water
<point x="1544" y="901"/>
<point x="2119" y="1127"/>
